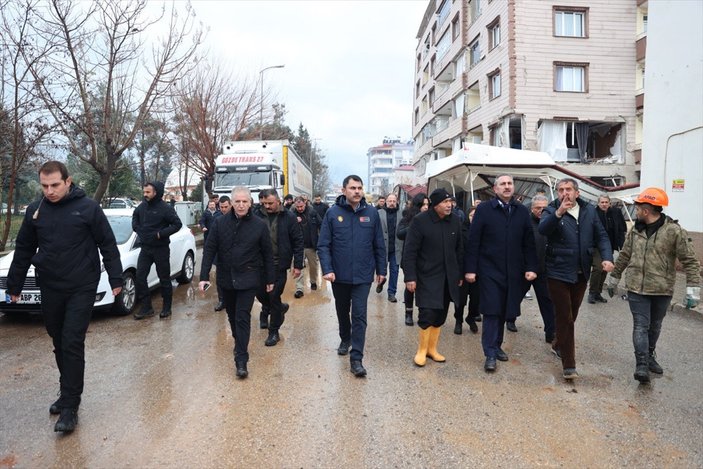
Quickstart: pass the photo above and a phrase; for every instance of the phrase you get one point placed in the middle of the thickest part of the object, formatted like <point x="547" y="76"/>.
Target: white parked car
<point x="182" y="269"/>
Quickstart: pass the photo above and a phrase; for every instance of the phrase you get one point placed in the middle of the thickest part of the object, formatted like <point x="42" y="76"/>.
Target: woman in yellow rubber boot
<point x="433" y="247"/>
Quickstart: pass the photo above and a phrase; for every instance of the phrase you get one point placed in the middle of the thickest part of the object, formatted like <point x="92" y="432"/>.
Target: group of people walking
<point x="488" y="259"/>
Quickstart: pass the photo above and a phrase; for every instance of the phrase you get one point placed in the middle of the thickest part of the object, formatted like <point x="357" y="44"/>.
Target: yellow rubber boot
<point x="432" y="349"/>
<point x="424" y="341"/>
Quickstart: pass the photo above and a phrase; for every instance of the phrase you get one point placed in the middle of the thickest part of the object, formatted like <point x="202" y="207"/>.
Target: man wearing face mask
<point x="648" y="258"/>
<point x="390" y="219"/>
<point x="573" y="231"/>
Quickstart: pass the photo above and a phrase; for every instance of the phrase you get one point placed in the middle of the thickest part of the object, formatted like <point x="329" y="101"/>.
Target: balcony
<point x="449" y="94"/>
<point x="639" y="101"/>
<point x="454" y="129"/>
<point x="640" y="48"/>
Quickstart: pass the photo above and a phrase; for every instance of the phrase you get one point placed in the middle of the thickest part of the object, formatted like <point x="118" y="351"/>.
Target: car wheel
<point x="188" y="269"/>
<point x="124" y="303"/>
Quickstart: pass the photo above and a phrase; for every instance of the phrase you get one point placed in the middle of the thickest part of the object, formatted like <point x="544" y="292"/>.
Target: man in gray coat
<point x="390" y="219"/>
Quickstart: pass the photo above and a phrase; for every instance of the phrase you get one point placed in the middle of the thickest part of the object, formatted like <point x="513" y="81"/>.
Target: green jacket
<point x="650" y="263"/>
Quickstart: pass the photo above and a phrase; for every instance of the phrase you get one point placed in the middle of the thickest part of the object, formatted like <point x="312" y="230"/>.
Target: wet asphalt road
<point x="162" y="393"/>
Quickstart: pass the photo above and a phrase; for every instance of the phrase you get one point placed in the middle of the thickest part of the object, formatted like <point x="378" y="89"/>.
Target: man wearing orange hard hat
<point x="648" y="259"/>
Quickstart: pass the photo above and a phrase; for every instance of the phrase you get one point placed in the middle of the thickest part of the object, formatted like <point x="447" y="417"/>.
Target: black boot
<point x="272" y="339"/>
<point x="68" y="420"/>
<point x="408" y="317"/>
<point x="642" y="368"/>
<point x="263" y="319"/>
<point x="457" y="327"/>
<point x="654" y="367"/>
<point x="145" y="311"/>
<point x="241" y="368"/>
<point x="167" y="295"/>
<point x="473" y="327"/>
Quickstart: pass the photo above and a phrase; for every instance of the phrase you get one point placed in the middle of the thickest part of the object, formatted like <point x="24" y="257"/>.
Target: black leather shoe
<point x="55" y="408"/>
<point x="591" y="299"/>
<point x="144" y="313"/>
<point x="219" y="306"/>
<point x="490" y="364"/>
<point x="457" y="328"/>
<point x="298" y="294"/>
<point x="501" y="355"/>
<point x="510" y="325"/>
<point x="272" y="339"/>
<point x="313" y="286"/>
<point x="473" y="327"/>
<point x="165" y="313"/>
<point x="68" y="420"/>
<point x="599" y="298"/>
<point x="241" y="370"/>
<point x="379" y="287"/>
<point x="343" y="348"/>
<point x="358" y="369"/>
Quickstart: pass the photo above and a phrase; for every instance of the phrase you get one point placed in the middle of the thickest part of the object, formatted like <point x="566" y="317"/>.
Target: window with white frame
<point x="570" y="23"/>
<point x="494" y="85"/>
<point x="474" y="53"/>
<point x="443" y="12"/>
<point x="494" y="34"/>
<point x="474" y="10"/>
<point x="570" y="77"/>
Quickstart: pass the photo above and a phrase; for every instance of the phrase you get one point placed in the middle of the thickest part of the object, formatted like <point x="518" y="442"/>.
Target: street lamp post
<point x="261" y="103"/>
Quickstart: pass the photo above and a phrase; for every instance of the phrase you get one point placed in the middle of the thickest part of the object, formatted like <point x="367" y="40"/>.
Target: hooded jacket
<point x="351" y="243"/>
<point x="154" y="220"/>
<point x="62" y="239"/>
<point x="649" y="263"/>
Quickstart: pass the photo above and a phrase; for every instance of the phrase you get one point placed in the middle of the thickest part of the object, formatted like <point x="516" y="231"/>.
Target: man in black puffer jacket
<point x="154" y="221"/>
<point x="242" y="244"/>
<point x="60" y="235"/>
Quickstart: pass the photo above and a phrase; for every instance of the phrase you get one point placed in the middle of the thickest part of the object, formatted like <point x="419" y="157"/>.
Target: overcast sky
<point x="348" y="73"/>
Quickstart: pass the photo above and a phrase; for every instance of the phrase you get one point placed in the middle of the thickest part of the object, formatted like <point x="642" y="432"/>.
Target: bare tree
<point x="96" y="80"/>
<point x="24" y="122"/>
<point x="211" y="107"/>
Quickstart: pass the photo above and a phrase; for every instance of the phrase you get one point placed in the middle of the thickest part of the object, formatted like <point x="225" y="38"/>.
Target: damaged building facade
<point x="558" y="77"/>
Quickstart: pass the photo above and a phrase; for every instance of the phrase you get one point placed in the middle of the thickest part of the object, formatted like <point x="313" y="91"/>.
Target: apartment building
<point x="384" y="162"/>
<point x="554" y="76"/>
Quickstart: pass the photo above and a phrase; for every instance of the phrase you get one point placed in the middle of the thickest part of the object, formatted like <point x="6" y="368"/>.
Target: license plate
<point x="26" y="298"/>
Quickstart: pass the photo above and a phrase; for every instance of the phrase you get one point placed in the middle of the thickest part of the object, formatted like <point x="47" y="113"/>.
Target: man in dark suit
<point x="501" y="253"/>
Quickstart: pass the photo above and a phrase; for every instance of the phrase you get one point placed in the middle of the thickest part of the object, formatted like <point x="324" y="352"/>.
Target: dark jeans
<point x="648" y="313"/>
<point x="546" y="307"/>
<point x="66" y="317"/>
<point x="161" y="257"/>
<point x="271" y="302"/>
<point x="567" y="298"/>
<point x="392" y="274"/>
<point x="238" y="304"/>
<point x="435" y="317"/>
<point x="352" y="299"/>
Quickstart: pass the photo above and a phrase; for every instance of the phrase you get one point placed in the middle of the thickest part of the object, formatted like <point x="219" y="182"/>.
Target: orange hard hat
<point x="653" y="196"/>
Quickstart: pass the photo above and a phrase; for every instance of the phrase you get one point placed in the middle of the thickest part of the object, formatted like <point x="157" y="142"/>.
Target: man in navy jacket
<point x="501" y="254"/>
<point x="350" y="249"/>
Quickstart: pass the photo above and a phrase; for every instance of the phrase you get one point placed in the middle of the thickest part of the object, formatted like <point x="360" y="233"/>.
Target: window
<point x="570" y="23"/>
<point x="473" y="97"/>
<point x="443" y="45"/>
<point x="417" y="89"/>
<point x="474" y="53"/>
<point x="494" y="33"/>
<point x="570" y="77"/>
<point x="474" y="10"/>
<point x="644" y="23"/>
<point x="494" y="85"/>
<point x="456" y="30"/>
<point x="443" y="12"/>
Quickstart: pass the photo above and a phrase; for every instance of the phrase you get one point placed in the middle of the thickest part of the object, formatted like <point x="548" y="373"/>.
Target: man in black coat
<point x="546" y="307"/>
<point x="319" y="206"/>
<point x="433" y="247"/>
<point x="501" y="254"/>
<point x="309" y="223"/>
<point x="154" y="221"/>
<point x="614" y="224"/>
<point x="61" y="235"/>
<point x="287" y="245"/>
<point x="242" y="244"/>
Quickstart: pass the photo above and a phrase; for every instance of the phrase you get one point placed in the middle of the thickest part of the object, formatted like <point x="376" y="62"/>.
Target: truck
<point x="259" y="165"/>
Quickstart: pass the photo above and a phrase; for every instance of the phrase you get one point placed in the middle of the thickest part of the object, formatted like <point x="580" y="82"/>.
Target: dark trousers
<point x="271" y="302"/>
<point x="492" y="334"/>
<point x="567" y="298"/>
<point x="161" y="257"/>
<point x="648" y="313"/>
<point x="546" y="307"/>
<point x="595" y="284"/>
<point x="238" y="304"/>
<point x="463" y="298"/>
<point x="408" y="299"/>
<point x="66" y="317"/>
<point x="429" y="317"/>
<point x="474" y="295"/>
<point x="350" y="302"/>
